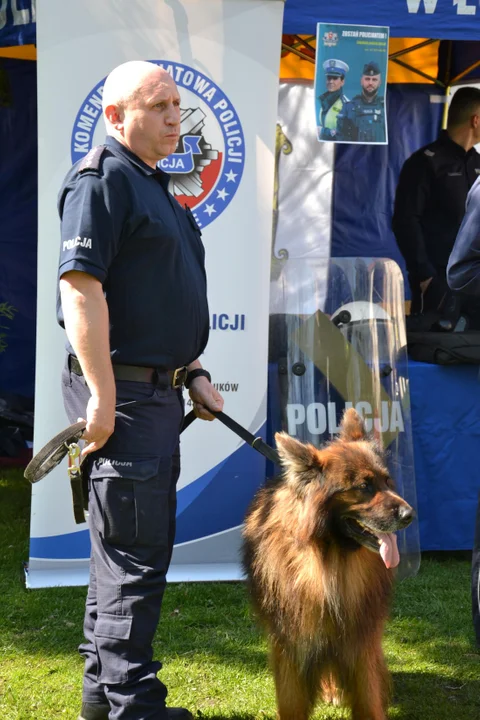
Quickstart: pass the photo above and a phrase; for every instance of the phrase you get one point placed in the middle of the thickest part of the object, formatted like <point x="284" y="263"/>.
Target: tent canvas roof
<point x="439" y="19"/>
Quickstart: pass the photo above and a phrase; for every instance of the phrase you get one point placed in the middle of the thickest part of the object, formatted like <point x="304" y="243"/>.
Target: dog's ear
<point x="296" y="457"/>
<point x="352" y="426"/>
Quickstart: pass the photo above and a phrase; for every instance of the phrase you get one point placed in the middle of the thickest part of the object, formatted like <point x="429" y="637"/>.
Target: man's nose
<point x="173" y="117"/>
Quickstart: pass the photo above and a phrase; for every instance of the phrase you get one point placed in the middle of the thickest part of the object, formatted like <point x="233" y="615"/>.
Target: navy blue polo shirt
<point x="120" y="224"/>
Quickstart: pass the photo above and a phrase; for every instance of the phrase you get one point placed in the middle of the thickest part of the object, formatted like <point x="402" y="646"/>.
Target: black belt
<point x="175" y="378"/>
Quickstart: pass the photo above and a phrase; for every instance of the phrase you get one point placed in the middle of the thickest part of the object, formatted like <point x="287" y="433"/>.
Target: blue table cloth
<point x="446" y="441"/>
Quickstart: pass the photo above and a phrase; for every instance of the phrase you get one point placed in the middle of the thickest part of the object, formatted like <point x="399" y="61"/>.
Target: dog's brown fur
<point x="321" y="596"/>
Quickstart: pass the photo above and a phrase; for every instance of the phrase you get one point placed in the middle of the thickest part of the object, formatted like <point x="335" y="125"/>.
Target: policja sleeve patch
<point x="92" y="159"/>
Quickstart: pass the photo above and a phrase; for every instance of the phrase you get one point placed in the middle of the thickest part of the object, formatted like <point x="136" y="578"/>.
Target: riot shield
<point x="337" y="339"/>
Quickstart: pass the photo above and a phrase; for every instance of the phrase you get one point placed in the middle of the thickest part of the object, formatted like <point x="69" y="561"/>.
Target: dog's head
<point x="347" y="488"/>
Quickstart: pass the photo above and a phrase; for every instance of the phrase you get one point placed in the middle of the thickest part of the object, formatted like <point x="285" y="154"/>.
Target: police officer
<point x="133" y="303"/>
<point x="363" y="118"/>
<point x="430" y="203"/>
<point x="463" y="274"/>
<point x="332" y="101"/>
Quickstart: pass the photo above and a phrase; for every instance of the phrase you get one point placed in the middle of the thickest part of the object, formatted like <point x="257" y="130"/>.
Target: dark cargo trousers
<point x="132" y="506"/>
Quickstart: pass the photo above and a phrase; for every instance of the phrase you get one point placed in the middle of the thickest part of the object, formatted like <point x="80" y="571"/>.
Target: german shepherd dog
<point x="319" y="553"/>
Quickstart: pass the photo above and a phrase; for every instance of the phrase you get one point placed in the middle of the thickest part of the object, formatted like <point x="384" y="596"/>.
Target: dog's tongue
<point x="389" y="550"/>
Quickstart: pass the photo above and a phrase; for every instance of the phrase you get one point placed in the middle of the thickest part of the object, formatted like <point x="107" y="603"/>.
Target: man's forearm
<point x="194" y="365"/>
<point x="412" y="199"/>
<point x="411" y="243"/>
<point x="86" y="320"/>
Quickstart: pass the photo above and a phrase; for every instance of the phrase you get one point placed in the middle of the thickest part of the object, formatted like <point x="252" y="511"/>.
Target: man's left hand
<point x="204" y="396"/>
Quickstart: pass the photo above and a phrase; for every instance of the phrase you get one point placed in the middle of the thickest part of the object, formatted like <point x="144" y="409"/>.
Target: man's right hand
<point x="100" y="424"/>
<point x="424" y="285"/>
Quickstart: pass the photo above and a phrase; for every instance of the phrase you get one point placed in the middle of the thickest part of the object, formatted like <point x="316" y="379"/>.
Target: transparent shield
<point x="337" y="339"/>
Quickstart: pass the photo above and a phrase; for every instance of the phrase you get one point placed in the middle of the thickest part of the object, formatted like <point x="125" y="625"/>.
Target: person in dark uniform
<point x="132" y="299"/>
<point x="463" y="274"/>
<point x="332" y="101"/>
<point x="430" y="203"/>
<point x="362" y="119"/>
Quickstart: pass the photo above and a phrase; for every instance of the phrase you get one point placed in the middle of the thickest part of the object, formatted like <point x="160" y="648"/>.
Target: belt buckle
<point x="179" y="377"/>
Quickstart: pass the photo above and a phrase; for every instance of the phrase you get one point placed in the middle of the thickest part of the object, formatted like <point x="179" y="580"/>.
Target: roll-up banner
<point x="224" y="56"/>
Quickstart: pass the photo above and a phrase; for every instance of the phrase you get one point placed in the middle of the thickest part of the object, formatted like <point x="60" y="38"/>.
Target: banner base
<point x="207" y="572"/>
<point x="61" y="575"/>
<point x="48" y="573"/>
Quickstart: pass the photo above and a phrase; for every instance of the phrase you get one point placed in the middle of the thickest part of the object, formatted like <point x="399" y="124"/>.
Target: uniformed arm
<point x="85" y="314"/>
<point x="204" y="395"/>
<point x="463" y="270"/>
<point x="347" y="131"/>
<point x="93" y="213"/>
<point x="413" y="190"/>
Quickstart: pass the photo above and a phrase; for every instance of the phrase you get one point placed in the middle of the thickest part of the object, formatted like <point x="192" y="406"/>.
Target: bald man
<point x="132" y="299"/>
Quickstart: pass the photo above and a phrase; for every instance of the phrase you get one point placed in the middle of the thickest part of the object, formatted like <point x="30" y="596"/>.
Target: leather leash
<point x="255" y="442"/>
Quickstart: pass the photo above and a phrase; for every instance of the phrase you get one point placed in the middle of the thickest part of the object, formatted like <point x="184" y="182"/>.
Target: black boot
<point x="94" y="712"/>
<point x="100" y="712"/>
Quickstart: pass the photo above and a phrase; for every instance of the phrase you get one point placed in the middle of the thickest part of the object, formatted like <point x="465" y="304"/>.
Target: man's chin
<point x="166" y="151"/>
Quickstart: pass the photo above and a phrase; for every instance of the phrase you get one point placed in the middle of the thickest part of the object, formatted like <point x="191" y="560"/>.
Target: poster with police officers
<point x="350" y="83"/>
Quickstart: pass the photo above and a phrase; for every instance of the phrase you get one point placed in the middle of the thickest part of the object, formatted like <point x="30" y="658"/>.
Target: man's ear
<point x="115" y="116"/>
<point x="352" y="426"/>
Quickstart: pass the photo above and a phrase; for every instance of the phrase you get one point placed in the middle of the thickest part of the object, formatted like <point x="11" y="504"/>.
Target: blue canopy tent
<point x="364" y="183"/>
<point x="441" y="19"/>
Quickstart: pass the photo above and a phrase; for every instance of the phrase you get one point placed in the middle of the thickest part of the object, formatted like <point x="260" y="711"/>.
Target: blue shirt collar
<point x="119" y="149"/>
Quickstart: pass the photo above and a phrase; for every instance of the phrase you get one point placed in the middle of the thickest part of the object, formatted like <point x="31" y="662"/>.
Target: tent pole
<point x="412" y="48"/>
<point x="448" y="71"/>
<point x="418" y="72"/>
<point x="465" y="72"/>
<point x="448" y="86"/>
<point x="448" y="91"/>
<point x="305" y="42"/>
<point x="289" y="48"/>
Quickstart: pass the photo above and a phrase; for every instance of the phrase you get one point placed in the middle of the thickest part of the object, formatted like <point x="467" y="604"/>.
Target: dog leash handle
<point x="266" y="450"/>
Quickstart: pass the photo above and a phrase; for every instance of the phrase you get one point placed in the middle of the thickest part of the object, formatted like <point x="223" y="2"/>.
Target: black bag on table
<point x="441" y="334"/>
<point x="445" y="348"/>
<point x="429" y="340"/>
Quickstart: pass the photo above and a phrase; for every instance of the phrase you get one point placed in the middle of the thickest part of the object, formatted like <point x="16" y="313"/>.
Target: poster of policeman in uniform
<point x="350" y="83"/>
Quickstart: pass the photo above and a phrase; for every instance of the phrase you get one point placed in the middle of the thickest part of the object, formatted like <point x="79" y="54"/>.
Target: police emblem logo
<point x="330" y="39"/>
<point x="207" y="167"/>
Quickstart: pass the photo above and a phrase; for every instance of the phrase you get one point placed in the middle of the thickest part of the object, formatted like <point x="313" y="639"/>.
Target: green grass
<point x="214" y="658"/>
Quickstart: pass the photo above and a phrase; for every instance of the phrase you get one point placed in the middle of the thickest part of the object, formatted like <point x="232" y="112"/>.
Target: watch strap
<point x="197" y="372"/>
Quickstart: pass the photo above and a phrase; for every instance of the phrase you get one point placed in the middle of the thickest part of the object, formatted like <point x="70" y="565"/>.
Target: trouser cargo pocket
<point x="112" y="633"/>
<point x="130" y="499"/>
